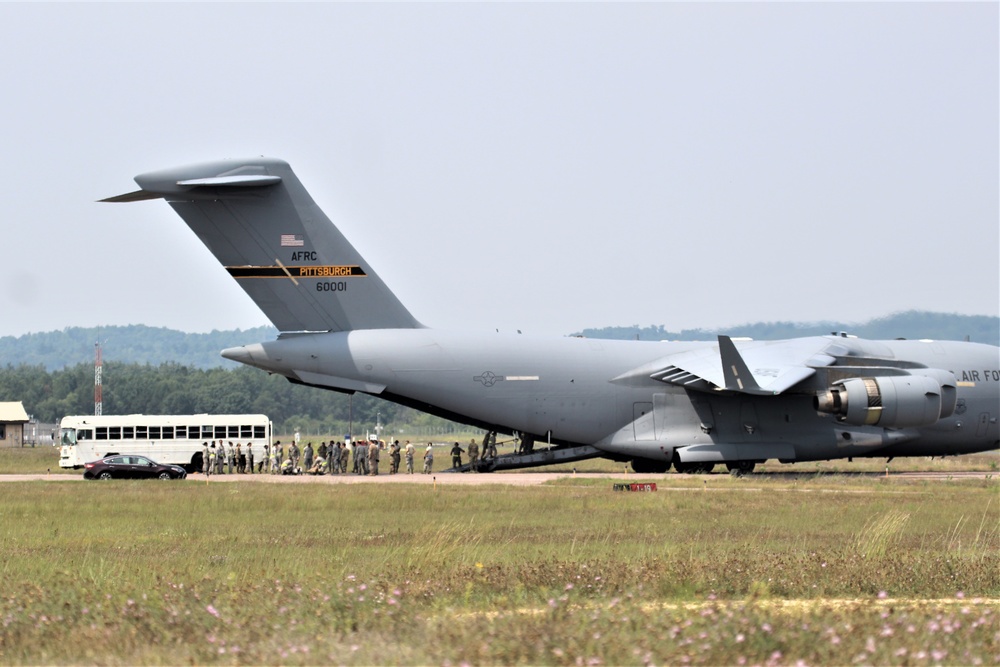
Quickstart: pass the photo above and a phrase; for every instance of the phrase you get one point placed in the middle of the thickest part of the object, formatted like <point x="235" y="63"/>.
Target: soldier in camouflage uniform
<point x="307" y="456"/>
<point x="345" y="455"/>
<point x="409" y="449"/>
<point x="473" y="456"/>
<point x="429" y="459"/>
<point x="373" y="457"/>
<point x="394" y="458"/>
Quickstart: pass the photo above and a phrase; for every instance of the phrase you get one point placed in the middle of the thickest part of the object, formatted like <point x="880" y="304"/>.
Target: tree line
<point x="912" y="324"/>
<point x="175" y="389"/>
<point x="154" y="345"/>
<point x="135" y="343"/>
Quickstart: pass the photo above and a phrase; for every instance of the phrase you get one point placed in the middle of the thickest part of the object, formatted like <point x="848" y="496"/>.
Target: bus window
<point x="220" y="432"/>
<point x="206" y="433"/>
<point x="246" y="432"/>
<point x="180" y="432"/>
<point x="128" y="432"/>
<point x="141" y="433"/>
<point x="102" y="433"/>
<point x="259" y="432"/>
<point x="84" y="434"/>
<point x="234" y="431"/>
<point x="168" y="433"/>
<point x="67" y="436"/>
<point x="114" y="433"/>
<point x="154" y="432"/>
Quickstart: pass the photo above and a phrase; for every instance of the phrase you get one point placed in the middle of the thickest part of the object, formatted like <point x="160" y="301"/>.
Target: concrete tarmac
<point x="521" y="478"/>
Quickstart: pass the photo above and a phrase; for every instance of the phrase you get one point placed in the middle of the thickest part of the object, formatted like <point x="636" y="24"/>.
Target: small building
<point x="12" y="421"/>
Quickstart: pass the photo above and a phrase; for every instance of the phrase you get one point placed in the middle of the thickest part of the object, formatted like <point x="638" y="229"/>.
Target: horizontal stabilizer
<point x="248" y="180"/>
<point x="188" y="181"/>
<point x="138" y="195"/>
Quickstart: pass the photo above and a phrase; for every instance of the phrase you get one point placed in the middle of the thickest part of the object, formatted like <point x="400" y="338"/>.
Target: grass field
<point x="825" y="570"/>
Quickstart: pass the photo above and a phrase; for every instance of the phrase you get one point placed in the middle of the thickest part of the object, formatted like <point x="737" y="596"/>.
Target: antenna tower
<point x="98" y="402"/>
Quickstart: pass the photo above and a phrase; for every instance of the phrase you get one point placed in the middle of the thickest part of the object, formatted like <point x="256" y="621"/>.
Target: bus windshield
<point x="67" y="436"/>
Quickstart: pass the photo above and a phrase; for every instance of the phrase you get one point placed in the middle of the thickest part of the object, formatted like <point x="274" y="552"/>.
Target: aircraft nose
<point x="244" y="354"/>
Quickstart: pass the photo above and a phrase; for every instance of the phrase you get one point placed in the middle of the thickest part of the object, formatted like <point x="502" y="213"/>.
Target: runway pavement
<point x="520" y="478"/>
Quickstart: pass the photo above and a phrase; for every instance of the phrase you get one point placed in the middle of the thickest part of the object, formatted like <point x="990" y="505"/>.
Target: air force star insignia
<point x="488" y="378"/>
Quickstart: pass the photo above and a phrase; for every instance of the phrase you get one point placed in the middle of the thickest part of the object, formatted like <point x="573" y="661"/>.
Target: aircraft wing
<point x="751" y="367"/>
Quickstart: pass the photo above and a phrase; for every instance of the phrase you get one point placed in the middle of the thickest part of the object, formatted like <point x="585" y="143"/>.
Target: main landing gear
<point x="740" y="468"/>
<point x="694" y="468"/>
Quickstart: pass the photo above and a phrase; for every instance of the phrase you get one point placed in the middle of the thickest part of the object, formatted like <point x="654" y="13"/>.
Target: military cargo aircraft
<point x="690" y="405"/>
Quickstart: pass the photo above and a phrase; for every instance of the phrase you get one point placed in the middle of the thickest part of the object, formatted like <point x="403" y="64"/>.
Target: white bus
<point x="175" y="439"/>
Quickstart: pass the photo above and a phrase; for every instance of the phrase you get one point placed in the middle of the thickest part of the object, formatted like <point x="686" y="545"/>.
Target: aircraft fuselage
<point x="569" y="391"/>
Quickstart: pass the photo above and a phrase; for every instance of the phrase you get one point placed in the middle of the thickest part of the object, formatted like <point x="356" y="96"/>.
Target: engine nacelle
<point x="902" y="401"/>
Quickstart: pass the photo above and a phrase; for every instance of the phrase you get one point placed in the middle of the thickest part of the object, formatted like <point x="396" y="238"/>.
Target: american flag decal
<point x="292" y="240"/>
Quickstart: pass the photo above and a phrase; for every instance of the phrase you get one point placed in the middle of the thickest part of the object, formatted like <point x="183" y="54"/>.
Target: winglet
<point x="734" y="369"/>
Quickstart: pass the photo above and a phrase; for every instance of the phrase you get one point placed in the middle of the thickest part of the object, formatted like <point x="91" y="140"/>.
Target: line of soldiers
<point x="224" y="457"/>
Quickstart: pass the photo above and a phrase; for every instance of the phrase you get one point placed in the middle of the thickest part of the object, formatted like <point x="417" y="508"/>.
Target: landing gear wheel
<point x="741" y="468"/>
<point x="694" y="468"/>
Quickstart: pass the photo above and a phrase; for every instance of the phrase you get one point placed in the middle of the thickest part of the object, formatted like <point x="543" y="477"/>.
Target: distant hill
<point x="130" y="344"/>
<point x="139" y="344"/>
<point x="911" y="324"/>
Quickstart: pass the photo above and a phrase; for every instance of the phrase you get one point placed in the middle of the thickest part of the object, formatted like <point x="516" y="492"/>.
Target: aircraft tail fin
<point x="265" y="229"/>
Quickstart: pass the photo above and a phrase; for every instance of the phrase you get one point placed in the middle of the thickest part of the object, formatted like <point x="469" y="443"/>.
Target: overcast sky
<point x="540" y="167"/>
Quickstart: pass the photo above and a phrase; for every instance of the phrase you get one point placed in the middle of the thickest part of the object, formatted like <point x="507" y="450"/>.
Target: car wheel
<point x="165" y="475"/>
<point x="104" y="475"/>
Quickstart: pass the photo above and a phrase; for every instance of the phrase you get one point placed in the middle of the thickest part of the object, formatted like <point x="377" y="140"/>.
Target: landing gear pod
<point x="904" y="401"/>
<point x="645" y="466"/>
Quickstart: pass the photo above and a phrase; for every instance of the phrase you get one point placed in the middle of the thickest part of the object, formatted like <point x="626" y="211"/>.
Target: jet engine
<point x="902" y="401"/>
